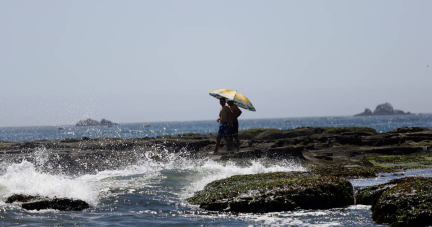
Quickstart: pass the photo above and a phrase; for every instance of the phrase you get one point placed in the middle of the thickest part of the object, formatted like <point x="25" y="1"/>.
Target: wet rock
<point x="57" y="204"/>
<point x="285" y="152"/>
<point x="41" y="203"/>
<point x="21" y="198"/>
<point x="409" y="129"/>
<point x="394" y="150"/>
<point x="400" y="202"/>
<point x="273" y="192"/>
<point x="251" y="154"/>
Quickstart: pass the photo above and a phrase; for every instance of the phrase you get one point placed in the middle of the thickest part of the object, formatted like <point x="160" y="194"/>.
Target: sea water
<point x="153" y="193"/>
<point x="154" y="129"/>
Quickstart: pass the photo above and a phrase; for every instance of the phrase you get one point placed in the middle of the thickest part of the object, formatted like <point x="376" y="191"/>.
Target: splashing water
<point x="150" y="192"/>
<point x="23" y="178"/>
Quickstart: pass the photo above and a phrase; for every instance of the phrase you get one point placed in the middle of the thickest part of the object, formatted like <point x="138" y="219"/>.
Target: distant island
<point x="382" y="109"/>
<point x="91" y="122"/>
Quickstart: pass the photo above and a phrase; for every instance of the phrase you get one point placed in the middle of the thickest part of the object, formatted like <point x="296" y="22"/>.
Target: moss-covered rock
<point x="355" y="129"/>
<point x="416" y="160"/>
<point x="271" y="192"/>
<point x="400" y="202"/>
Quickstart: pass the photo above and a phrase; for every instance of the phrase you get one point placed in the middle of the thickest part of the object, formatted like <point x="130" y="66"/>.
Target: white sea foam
<point x="27" y="178"/>
<point x="23" y="178"/>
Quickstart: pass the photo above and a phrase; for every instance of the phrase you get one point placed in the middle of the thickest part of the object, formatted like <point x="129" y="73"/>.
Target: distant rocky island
<point x="382" y="109"/>
<point x="91" y="122"/>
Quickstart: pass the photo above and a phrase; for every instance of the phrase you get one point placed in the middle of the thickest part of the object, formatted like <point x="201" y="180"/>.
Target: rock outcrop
<point x="382" y="109"/>
<point x="273" y="192"/>
<point x="91" y="122"/>
<point x="400" y="202"/>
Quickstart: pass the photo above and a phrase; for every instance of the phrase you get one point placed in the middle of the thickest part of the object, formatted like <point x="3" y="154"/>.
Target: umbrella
<point x="239" y="99"/>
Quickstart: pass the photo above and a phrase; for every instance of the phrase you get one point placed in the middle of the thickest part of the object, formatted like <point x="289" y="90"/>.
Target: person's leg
<point x="218" y="140"/>
<point x="229" y="142"/>
<point x="237" y="142"/>
<point x="234" y="134"/>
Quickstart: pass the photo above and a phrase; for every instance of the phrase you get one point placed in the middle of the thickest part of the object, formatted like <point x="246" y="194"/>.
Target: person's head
<point x="230" y="102"/>
<point x="222" y="101"/>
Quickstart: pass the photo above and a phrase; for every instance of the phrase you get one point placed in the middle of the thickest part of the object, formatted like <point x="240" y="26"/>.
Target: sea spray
<point x="23" y="178"/>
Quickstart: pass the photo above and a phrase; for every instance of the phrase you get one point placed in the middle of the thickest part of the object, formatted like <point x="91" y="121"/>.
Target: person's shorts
<point x="234" y="129"/>
<point x="224" y="130"/>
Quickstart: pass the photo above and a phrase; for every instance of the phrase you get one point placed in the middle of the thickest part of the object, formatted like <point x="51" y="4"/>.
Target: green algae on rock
<point x="400" y="202"/>
<point x="407" y="161"/>
<point x="272" y="192"/>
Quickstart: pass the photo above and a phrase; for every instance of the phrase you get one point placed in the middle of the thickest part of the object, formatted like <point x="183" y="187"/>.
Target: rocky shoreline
<point x="331" y="153"/>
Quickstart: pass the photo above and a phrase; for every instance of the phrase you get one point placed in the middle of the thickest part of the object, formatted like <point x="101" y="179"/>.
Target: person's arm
<point x="239" y="112"/>
<point x="219" y="117"/>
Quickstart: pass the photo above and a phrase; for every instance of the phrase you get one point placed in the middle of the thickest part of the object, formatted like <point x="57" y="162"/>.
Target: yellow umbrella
<point x="239" y="99"/>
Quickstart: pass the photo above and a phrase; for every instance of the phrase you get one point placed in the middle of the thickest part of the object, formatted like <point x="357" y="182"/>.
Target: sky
<point x="146" y="61"/>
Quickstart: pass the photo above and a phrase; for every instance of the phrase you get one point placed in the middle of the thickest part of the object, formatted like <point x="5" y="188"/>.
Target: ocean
<point x="153" y="193"/>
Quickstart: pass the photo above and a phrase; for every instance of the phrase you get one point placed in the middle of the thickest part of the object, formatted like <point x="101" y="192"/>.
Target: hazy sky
<point x="144" y="61"/>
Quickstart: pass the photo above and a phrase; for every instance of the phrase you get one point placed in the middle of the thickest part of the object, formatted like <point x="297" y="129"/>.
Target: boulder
<point x="62" y="204"/>
<point x="400" y="202"/>
<point x="30" y="202"/>
<point x="274" y="192"/>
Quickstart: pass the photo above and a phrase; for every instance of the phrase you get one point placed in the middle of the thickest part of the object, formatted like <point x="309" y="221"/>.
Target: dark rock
<point x="22" y="198"/>
<point x="244" y="154"/>
<point x="273" y="192"/>
<point x="394" y="150"/>
<point x="370" y="195"/>
<point x="349" y="139"/>
<point x="40" y="203"/>
<point x="285" y="152"/>
<point x="57" y="204"/>
<point x="400" y="202"/>
<point x="409" y="129"/>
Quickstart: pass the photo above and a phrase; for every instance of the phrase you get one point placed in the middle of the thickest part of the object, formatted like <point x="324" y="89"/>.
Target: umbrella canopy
<point x="239" y="99"/>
